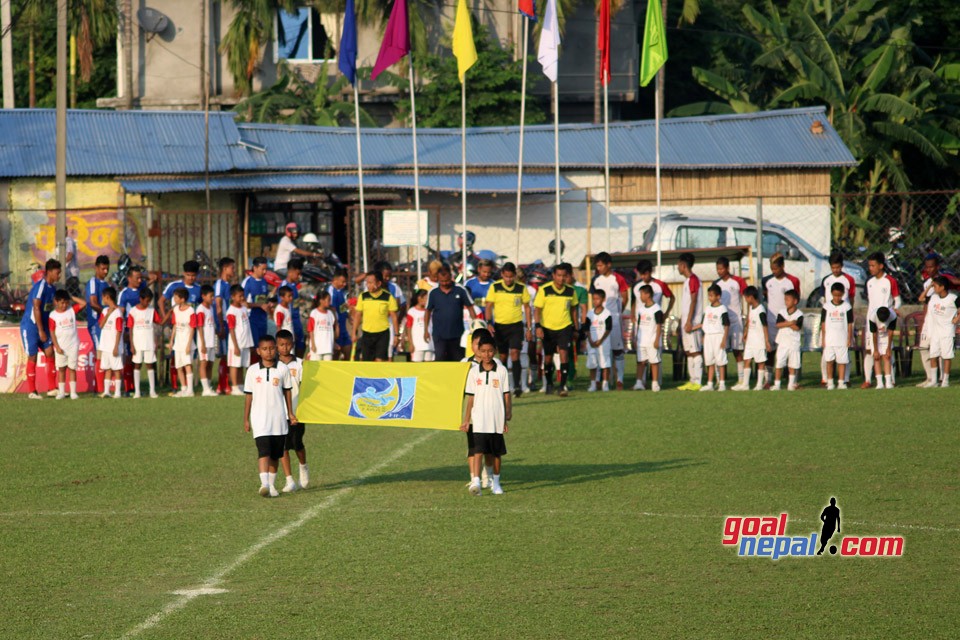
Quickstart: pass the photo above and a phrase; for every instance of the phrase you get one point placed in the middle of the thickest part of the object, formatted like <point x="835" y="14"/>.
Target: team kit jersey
<point x="423" y="350"/>
<point x="613" y="285"/>
<point x="715" y="318"/>
<point x="130" y="297"/>
<point x="238" y="322"/>
<point x="268" y="411"/>
<point x="774" y="295"/>
<point x="836" y="319"/>
<point x="940" y="316"/>
<point x="207" y="326"/>
<point x="755" y="347"/>
<point x="63" y="325"/>
<point x="660" y="291"/>
<point x="43" y="292"/>
<point x="184" y="323"/>
<point x="110" y="333"/>
<point x="691" y="293"/>
<point x="600" y="323"/>
<point x="845" y="280"/>
<point x="488" y="388"/>
<point x="221" y="290"/>
<point x="731" y="296"/>
<point x="789" y="340"/>
<point x="256" y="292"/>
<point x="648" y="320"/>
<point x="479" y="291"/>
<point x="283" y="318"/>
<point x="94" y="291"/>
<point x="142" y="324"/>
<point x="341" y="306"/>
<point x="321" y="325"/>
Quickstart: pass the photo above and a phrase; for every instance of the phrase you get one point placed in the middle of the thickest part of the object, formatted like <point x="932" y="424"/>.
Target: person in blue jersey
<point x="479" y="285"/>
<point x="127" y="300"/>
<point x="339" y="303"/>
<point x="256" y="292"/>
<point x="34" y="329"/>
<point x="227" y="268"/>
<point x="94" y="300"/>
<point x="292" y="281"/>
<point x="188" y="282"/>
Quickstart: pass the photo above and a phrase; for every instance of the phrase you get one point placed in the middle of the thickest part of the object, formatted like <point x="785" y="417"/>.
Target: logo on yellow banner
<point x="383" y="398"/>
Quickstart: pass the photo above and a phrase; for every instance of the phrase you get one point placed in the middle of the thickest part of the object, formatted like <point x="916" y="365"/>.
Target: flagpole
<point x="606" y="153"/>
<point x="657" y="147"/>
<point x="523" y="110"/>
<point x="416" y="173"/>
<point x="363" y="210"/>
<point x="556" y="167"/>
<point x="463" y="173"/>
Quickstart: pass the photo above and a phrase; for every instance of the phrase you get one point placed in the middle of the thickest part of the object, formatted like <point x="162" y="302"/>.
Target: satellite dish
<point x="152" y="21"/>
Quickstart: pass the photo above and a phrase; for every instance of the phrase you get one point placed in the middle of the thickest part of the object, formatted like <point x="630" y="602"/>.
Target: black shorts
<point x="559" y="339"/>
<point x="509" y="336"/>
<point x="270" y="446"/>
<point x="376" y="346"/>
<point x="447" y="350"/>
<point x="471" y="445"/>
<point x="294" y="438"/>
<point x="490" y="443"/>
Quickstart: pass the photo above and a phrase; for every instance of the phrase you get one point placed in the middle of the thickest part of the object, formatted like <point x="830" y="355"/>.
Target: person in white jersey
<point x="775" y="287"/>
<point x="845" y="280"/>
<point x="882" y="291"/>
<point x="731" y="297"/>
<point x="420" y="349"/>
<point x="836" y="329"/>
<point x="691" y="315"/>
<point x="323" y="328"/>
<point x="941" y="317"/>
<point x="617" y="293"/>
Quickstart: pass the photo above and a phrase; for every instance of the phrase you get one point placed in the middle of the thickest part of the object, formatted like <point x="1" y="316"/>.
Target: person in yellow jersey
<point x="509" y="318"/>
<point x="376" y="313"/>
<point x="556" y="312"/>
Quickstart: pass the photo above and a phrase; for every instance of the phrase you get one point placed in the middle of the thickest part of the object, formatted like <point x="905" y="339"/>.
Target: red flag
<point x="396" y="39"/>
<point x="603" y="41"/>
<point x="527" y="8"/>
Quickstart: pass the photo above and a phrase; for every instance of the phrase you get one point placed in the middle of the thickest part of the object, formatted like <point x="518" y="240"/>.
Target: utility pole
<point x="61" y="133"/>
<point x="126" y="43"/>
<point x="6" y="52"/>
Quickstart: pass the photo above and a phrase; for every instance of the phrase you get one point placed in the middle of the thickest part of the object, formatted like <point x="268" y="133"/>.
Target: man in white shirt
<point x="882" y="291"/>
<point x="288" y="247"/>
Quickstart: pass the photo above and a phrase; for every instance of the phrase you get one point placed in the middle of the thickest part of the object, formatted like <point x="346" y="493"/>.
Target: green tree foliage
<point x="493" y="89"/>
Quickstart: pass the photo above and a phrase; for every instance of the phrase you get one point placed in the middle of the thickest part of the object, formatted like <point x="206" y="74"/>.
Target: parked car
<point x="680" y="231"/>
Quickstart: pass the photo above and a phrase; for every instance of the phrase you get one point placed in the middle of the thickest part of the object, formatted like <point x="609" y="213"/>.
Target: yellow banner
<point x="425" y="395"/>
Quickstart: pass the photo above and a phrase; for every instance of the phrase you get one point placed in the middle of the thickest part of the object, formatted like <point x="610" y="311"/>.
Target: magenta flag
<point x="396" y="39"/>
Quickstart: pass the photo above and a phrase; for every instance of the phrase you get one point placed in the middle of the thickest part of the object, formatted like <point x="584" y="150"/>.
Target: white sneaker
<point x="774" y="388"/>
<point x="841" y="385"/>
<point x="209" y="394"/>
<point x="738" y="387"/>
<point x="655" y="387"/>
<point x="53" y="393"/>
<point x="592" y="388"/>
<point x="793" y="387"/>
<point x="543" y="388"/>
<point x="639" y="386"/>
<point x="526" y="389"/>
<point x="35" y="396"/>
<point x="605" y="387"/>
<point x="264" y="490"/>
<point x="890" y="385"/>
<point x="879" y="385"/>
<point x="484" y="478"/>
<point x="290" y="487"/>
<point x="944" y="384"/>
<point x="830" y="386"/>
<point x="186" y="394"/>
<point x="707" y="387"/>
<point x="136" y="395"/>
<point x="105" y="394"/>
<point x="496" y="489"/>
<point x="722" y="386"/>
<point x="274" y="493"/>
<point x="154" y="395"/>
<point x="236" y="391"/>
<point x="929" y="384"/>
<point x="474" y="489"/>
<point x="61" y="396"/>
<point x="74" y="396"/>
<point x="304" y="478"/>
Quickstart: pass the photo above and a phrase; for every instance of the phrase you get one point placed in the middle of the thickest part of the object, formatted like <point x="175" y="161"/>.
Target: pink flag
<point x="396" y="39"/>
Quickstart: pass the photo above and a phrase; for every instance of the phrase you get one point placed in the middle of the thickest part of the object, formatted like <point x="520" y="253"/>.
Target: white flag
<point x="549" y="50"/>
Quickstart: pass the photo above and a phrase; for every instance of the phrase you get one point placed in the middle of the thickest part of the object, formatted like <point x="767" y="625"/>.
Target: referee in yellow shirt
<point x="555" y="311"/>
<point x="508" y="314"/>
<point x="376" y="312"/>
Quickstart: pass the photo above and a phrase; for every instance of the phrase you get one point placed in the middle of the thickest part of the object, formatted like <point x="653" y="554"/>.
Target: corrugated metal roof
<point x="118" y="142"/>
<point x="768" y="139"/>
<point x="476" y="183"/>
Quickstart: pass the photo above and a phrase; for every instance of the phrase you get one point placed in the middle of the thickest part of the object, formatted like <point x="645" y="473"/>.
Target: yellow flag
<point x="383" y="394"/>
<point x="463" y="47"/>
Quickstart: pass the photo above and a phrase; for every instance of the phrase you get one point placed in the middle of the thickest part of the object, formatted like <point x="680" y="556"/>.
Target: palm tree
<point x="250" y="29"/>
<point x="92" y="24"/>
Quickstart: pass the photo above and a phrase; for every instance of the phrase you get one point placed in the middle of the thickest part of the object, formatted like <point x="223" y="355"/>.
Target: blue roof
<point x="446" y="182"/>
<point x="143" y="143"/>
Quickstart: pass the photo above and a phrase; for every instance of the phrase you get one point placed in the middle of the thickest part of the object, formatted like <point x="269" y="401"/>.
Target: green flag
<point x="654" y="52"/>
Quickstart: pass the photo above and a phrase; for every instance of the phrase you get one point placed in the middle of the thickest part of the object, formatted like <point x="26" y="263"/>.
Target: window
<point x="701" y="237"/>
<point x="306" y="36"/>
<point x="773" y="242"/>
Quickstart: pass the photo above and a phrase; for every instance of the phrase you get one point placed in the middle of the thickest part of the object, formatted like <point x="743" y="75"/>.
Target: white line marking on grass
<point x="186" y="596"/>
<point x="203" y="591"/>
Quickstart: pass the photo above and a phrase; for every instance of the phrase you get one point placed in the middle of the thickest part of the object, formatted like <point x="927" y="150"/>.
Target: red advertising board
<point x="13" y="363"/>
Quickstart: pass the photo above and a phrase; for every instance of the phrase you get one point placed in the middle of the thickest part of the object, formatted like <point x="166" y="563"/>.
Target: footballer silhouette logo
<point x="383" y="398"/>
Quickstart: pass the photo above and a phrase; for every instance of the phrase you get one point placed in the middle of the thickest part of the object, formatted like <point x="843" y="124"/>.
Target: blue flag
<point x="348" y="45"/>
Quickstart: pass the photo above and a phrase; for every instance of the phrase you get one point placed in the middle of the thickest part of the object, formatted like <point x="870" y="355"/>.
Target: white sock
<point x="945" y="378"/>
<point x="62" y="387"/>
<point x="489" y="471"/>
<point x="823" y="369"/>
<point x="745" y="376"/>
<point x="776" y="384"/>
<point x="621" y="365"/>
<point x="475" y="480"/>
<point x="525" y="376"/>
<point x="152" y="377"/>
<point x="304" y="467"/>
<point x="496" y="479"/>
<point x="696" y="369"/>
<point x="73" y="387"/>
<point x="925" y="360"/>
<point x="740" y="370"/>
<point x="868" y="366"/>
<point x="271" y="479"/>
<point x="118" y="387"/>
<point x="264" y="479"/>
<point x="289" y="479"/>
<point x="205" y="383"/>
<point x="189" y="387"/>
<point x="136" y="381"/>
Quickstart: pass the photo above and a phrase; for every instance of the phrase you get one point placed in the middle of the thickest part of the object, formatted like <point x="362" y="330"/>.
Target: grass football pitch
<point x="141" y="519"/>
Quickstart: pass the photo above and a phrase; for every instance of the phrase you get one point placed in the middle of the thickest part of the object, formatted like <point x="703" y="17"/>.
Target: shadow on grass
<point x="524" y="477"/>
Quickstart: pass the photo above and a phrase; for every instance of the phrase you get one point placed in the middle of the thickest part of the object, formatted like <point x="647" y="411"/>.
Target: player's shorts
<point x="294" y="438"/>
<point x="110" y="362"/>
<point x="490" y="443"/>
<point x="616" y="332"/>
<point x="714" y="354"/>
<point x="270" y="446"/>
<point x="942" y="347"/>
<point x="840" y="355"/>
<point x="557" y="339"/>
<point x="317" y="357"/>
<point x="757" y="353"/>
<point x="423" y="356"/>
<point x="788" y="357"/>
<point x="67" y="359"/>
<point x="238" y="361"/>
<point x="735" y="335"/>
<point x="207" y="356"/>
<point x="692" y="342"/>
<point x="31" y="339"/>
<point x="649" y="354"/>
<point x="508" y="336"/>
<point x="376" y="346"/>
<point x="471" y="444"/>
<point x="343" y="339"/>
<point x="883" y="342"/>
<point x="94" y="330"/>
<point x="182" y="359"/>
<point x="599" y="357"/>
<point x="144" y="356"/>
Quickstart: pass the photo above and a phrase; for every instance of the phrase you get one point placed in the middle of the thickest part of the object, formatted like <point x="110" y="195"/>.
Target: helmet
<point x="471" y="238"/>
<point x="291" y="227"/>
<point x="310" y="238"/>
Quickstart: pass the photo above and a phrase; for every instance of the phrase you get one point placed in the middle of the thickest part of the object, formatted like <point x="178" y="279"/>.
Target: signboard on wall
<point x="401" y="226"/>
<point x="13" y="363"/>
